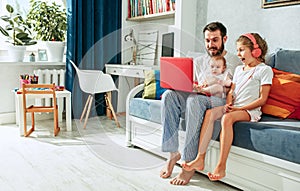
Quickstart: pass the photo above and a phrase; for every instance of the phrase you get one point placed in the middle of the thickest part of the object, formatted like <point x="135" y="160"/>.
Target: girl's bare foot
<point x="197" y="164"/>
<point x="168" y="169"/>
<point x="218" y="174"/>
<point x="183" y="177"/>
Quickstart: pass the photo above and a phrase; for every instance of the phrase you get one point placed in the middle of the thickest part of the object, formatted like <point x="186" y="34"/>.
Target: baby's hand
<point x="199" y="88"/>
<point x="221" y="82"/>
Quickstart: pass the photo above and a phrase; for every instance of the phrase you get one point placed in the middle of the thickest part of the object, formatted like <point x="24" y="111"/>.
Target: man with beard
<point x="190" y="108"/>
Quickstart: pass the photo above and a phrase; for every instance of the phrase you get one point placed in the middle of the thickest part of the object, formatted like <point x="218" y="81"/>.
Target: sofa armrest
<point x="134" y="91"/>
<point x="130" y="95"/>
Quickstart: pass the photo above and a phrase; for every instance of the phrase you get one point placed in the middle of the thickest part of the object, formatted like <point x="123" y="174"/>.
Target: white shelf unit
<point x="150" y="17"/>
<point x="182" y="22"/>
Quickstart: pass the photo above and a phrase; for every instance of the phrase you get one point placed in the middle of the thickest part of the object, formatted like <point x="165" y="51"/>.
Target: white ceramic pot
<point x="16" y="53"/>
<point x="55" y="51"/>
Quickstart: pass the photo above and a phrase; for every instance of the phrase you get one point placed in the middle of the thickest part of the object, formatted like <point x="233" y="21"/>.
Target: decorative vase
<point x="55" y="50"/>
<point x="16" y="53"/>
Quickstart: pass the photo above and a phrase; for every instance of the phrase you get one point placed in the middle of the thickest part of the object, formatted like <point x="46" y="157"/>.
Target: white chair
<point x="92" y="82"/>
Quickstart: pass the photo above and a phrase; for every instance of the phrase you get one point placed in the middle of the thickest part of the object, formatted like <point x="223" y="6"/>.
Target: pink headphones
<point x="256" y="52"/>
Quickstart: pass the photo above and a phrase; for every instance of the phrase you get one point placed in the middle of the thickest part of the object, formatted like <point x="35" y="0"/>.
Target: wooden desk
<point x="135" y="71"/>
<point x="59" y="95"/>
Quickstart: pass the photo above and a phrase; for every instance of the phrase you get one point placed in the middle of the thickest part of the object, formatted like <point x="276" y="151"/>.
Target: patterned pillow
<point x="152" y="89"/>
<point x="284" y="98"/>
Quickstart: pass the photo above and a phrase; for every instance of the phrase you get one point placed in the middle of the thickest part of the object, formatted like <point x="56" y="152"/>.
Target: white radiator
<point x="49" y="76"/>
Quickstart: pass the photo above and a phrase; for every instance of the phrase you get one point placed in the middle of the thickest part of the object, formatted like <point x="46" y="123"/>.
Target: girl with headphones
<point x="250" y="88"/>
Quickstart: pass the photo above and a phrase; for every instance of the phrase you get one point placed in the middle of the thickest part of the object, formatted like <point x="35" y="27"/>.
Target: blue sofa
<point x="264" y="156"/>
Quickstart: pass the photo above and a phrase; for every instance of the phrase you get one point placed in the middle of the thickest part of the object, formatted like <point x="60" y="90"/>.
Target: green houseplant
<point x="17" y="29"/>
<point x="18" y="33"/>
<point x="49" y="21"/>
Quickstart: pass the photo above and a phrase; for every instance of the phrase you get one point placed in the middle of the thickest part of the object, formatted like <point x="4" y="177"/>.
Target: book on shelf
<point x="146" y="7"/>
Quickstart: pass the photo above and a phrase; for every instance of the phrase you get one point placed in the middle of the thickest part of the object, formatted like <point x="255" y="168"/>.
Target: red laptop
<point x="176" y="73"/>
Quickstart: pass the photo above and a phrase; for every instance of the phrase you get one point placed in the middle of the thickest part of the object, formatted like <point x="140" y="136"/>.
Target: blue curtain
<point x="93" y="40"/>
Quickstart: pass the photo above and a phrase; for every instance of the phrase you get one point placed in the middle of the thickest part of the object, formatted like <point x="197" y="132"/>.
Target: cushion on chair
<point x="152" y="89"/>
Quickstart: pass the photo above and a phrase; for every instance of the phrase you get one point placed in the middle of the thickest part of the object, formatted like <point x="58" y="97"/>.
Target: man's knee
<point x="167" y="95"/>
<point x="198" y="101"/>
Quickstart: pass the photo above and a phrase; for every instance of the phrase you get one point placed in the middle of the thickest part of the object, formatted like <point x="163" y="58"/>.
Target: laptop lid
<point x="176" y="73"/>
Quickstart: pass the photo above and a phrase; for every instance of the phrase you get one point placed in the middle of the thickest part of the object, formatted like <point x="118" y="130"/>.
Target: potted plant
<point x="49" y="21"/>
<point x="18" y="33"/>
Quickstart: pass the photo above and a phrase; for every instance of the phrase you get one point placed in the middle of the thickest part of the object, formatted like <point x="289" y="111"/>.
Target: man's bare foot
<point x="218" y="174"/>
<point x="197" y="164"/>
<point x="183" y="177"/>
<point x="168" y="169"/>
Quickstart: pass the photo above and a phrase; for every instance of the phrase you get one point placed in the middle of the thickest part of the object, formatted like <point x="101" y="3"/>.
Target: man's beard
<point x="219" y="51"/>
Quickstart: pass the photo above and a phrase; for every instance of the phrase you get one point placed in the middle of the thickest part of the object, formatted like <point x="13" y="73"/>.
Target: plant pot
<point x="55" y="50"/>
<point x="16" y="53"/>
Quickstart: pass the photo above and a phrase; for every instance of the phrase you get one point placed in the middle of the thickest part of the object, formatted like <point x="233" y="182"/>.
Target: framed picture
<point x="42" y="53"/>
<point x="277" y="3"/>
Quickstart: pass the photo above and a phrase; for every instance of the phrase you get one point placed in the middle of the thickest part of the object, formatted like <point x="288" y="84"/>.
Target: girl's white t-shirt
<point x="248" y="83"/>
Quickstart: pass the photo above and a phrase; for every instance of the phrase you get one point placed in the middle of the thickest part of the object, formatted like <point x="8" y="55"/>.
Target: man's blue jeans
<point x="191" y="107"/>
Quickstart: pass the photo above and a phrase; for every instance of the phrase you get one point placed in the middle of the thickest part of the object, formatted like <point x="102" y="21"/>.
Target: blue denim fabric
<point x="191" y="107"/>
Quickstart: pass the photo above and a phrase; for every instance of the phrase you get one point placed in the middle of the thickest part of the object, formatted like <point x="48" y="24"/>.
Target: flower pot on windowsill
<point x="55" y="50"/>
<point x="51" y="30"/>
<point x="16" y="53"/>
<point x="18" y="34"/>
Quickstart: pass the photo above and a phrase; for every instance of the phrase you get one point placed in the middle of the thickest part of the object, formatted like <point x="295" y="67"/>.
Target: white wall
<point x="280" y="26"/>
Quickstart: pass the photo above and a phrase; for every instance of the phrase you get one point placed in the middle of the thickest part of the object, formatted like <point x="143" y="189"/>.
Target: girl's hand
<point x="230" y="108"/>
<point x="227" y="108"/>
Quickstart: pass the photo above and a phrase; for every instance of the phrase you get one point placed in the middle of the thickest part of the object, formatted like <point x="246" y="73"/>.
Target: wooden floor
<point x="94" y="158"/>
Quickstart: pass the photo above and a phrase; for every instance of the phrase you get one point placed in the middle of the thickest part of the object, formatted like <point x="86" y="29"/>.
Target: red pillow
<point x="284" y="98"/>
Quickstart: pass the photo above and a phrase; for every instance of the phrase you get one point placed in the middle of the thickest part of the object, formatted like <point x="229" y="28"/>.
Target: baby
<point x="219" y="78"/>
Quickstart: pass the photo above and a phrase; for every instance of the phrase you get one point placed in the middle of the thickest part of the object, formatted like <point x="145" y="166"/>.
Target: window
<point x="21" y="6"/>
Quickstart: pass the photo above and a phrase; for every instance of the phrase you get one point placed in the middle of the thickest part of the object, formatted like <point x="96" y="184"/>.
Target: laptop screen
<point x="167" y="49"/>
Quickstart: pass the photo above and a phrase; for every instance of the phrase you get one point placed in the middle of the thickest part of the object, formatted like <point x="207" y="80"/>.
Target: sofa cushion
<point x="152" y="89"/>
<point x="284" y="98"/>
<point x="148" y="109"/>
<point x="271" y="136"/>
<point x="287" y="60"/>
